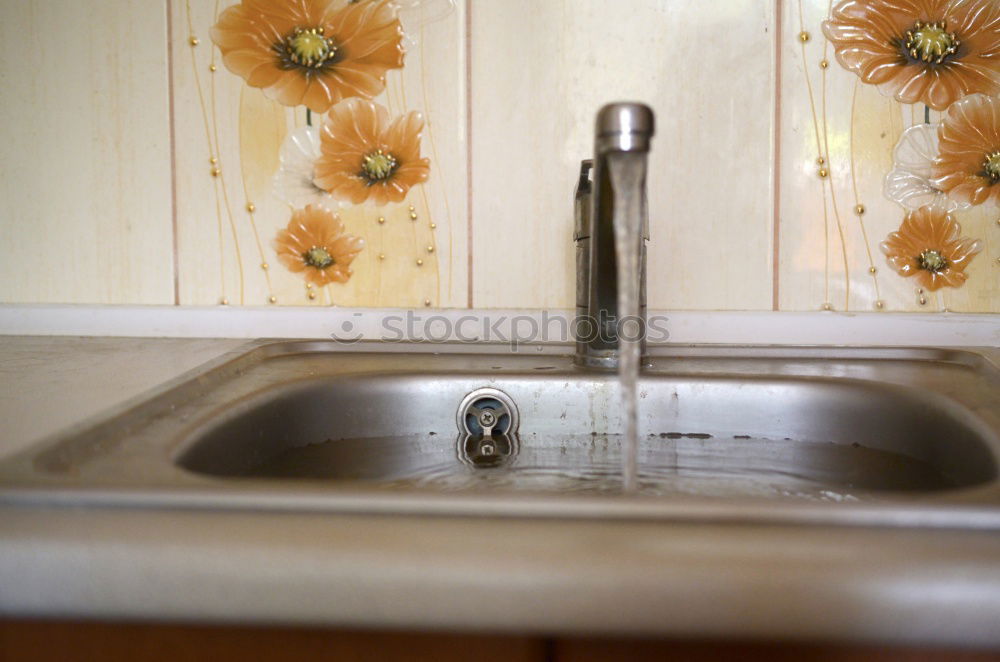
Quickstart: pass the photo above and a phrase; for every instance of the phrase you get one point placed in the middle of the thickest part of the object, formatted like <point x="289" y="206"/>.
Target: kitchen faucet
<point x="621" y="128"/>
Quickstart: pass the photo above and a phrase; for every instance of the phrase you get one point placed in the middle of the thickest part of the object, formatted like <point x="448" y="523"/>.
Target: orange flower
<point x="311" y="52"/>
<point x="967" y="166"/>
<point x="920" y="51"/>
<point x="929" y="245"/>
<point x="363" y="156"/>
<point x="315" y="243"/>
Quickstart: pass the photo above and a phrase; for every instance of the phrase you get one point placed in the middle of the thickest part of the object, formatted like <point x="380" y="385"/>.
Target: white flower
<point x="415" y="14"/>
<point x="422" y="12"/>
<point x="909" y="182"/>
<point x="293" y="182"/>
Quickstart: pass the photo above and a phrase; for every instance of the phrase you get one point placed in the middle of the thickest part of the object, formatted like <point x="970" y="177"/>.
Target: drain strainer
<point x="487" y="412"/>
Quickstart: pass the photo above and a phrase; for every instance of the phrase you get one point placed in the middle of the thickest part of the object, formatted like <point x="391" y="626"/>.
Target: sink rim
<point x="976" y="507"/>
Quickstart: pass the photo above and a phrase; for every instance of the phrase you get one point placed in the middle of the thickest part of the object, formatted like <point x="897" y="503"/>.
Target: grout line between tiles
<point x="776" y="159"/>
<point x="173" y="150"/>
<point x="468" y="148"/>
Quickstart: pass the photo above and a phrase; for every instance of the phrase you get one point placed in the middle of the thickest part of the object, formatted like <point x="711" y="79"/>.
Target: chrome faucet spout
<point x="624" y="127"/>
<point x="621" y="128"/>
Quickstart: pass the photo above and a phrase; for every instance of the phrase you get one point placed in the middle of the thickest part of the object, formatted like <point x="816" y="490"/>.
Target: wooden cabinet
<point x="106" y="642"/>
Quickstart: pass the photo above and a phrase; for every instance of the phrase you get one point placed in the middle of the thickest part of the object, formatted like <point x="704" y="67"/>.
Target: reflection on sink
<point x="707" y="435"/>
<point x="561" y="463"/>
<point x="756" y="433"/>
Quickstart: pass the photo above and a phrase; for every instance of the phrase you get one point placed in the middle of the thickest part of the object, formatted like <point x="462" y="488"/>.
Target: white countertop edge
<point x="683" y="327"/>
<point x="662" y="579"/>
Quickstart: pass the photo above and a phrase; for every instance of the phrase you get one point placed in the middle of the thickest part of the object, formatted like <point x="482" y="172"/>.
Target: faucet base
<point x="604" y="360"/>
<point x="596" y="361"/>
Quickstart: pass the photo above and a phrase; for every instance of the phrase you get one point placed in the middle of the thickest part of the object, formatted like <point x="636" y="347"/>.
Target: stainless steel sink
<point x="891" y="436"/>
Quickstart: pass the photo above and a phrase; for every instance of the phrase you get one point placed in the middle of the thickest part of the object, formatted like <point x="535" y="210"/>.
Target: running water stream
<point x="627" y="171"/>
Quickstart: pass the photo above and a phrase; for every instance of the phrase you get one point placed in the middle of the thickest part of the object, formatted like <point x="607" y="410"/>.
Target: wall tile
<point x="87" y="165"/>
<point x="827" y="250"/>
<point x="85" y="173"/>
<point x="540" y="72"/>
<point x="222" y="245"/>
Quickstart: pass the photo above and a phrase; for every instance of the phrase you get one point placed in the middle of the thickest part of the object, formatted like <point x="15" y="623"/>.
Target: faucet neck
<point x="623" y="128"/>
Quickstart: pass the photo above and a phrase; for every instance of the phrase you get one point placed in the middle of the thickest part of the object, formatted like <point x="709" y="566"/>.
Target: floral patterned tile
<point x="842" y="155"/>
<point x="890" y="149"/>
<point x="316" y="122"/>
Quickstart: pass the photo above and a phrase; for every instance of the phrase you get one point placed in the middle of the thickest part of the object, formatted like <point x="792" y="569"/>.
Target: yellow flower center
<point x="378" y="166"/>
<point x="932" y="261"/>
<point x="992" y="166"/>
<point x="318" y="257"/>
<point x="307" y="47"/>
<point x="931" y="42"/>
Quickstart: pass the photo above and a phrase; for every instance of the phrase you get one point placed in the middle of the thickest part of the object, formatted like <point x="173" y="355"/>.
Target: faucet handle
<point x="581" y="216"/>
<point x="583" y="184"/>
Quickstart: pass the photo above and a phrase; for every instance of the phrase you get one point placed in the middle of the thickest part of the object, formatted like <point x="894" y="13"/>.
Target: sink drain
<point x="487" y="412"/>
<point x="487" y="452"/>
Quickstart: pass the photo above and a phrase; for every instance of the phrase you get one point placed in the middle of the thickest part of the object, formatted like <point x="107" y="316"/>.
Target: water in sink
<point x="753" y="435"/>
<point x="669" y="464"/>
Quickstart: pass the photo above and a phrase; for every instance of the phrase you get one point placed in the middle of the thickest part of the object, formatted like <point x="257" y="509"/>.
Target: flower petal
<point x="930" y="228"/>
<point x="252" y="34"/>
<point x="867" y="36"/>
<point x="354" y="128"/>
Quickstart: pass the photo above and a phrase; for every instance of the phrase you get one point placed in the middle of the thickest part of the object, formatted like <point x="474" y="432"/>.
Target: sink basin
<point x="731" y="432"/>
<point x="720" y="435"/>
<point x="893" y="435"/>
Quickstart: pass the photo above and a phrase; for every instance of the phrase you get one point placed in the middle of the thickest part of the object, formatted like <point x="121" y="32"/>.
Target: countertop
<point x="51" y="383"/>
<point x="460" y="573"/>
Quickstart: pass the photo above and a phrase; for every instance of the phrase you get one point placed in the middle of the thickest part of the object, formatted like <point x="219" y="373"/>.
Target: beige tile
<point x="826" y="249"/>
<point x="434" y="82"/>
<point x="222" y="245"/>
<point x="85" y="172"/>
<point x="540" y="72"/>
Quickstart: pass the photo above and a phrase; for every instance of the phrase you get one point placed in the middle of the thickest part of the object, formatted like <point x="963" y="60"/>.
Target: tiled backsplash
<point x="139" y="168"/>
